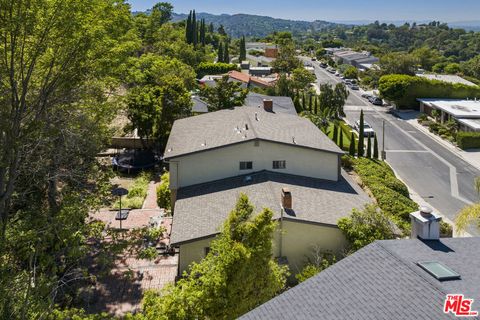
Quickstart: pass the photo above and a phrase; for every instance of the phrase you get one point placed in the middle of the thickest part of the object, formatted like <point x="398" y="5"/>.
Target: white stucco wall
<point x="298" y="241"/>
<point x="224" y="162"/>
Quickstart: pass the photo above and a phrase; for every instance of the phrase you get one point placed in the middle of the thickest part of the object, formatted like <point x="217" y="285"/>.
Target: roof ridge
<point x="422" y="275"/>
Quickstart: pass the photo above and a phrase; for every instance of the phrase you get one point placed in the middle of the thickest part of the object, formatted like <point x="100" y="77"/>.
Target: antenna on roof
<point x="256" y="116"/>
<point x="246" y="126"/>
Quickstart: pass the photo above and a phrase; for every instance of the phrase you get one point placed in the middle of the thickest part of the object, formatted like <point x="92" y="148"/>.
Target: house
<point x="240" y="77"/>
<point x="450" y="78"/>
<point x="260" y="71"/>
<point x="281" y="161"/>
<point x="465" y="112"/>
<point x="271" y="52"/>
<point x="248" y="81"/>
<point x="361" y="60"/>
<point x="390" y="279"/>
<point x="279" y="103"/>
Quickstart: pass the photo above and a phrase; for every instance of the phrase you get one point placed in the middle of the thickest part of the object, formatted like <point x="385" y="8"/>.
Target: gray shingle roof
<point x="280" y="104"/>
<point x="227" y="127"/>
<point x="200" y="210"/>
<point x="382" y="281"/>
<point x="199" y="106"/>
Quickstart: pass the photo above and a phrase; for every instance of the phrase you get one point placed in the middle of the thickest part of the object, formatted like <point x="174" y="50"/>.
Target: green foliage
<point x="243" y="50"/>
<point x="391" y="194"/>
<point x="221" y="285"/>
<point x="365" y="226"/>
<point x="351" y="149"/>
<point x="468" y="216"/>
<point x="404" y="90"/>
<point x="302" y="78"/>
<point x="468" y="140"/>
<point x="137" y="193"/>
<point x="452" y="68"/>
<point x="224" y="95"/>
<point x="375" y="147"/>
<point x="287" y="60"/>
<point x="163" y="192"/>
<point x="472" y="67"/>
<point x="369" y="147"/>
<point x="351" y="73"/>
<point x="76" y="314"/>
<point x="207" y="68"/>
<point x="398" y="63"/>
<point x="332" y="99"/>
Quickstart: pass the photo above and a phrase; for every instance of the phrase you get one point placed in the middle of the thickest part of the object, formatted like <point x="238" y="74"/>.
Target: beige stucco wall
<point x="299" y="240"/>
<point x="224" y="162"/>
<point x="192" y="251"/>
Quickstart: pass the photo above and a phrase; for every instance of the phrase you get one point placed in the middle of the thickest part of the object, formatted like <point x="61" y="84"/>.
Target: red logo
<point x="459" y="306"/>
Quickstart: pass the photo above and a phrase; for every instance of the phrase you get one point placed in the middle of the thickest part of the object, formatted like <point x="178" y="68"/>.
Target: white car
<point x="367" y="129"/>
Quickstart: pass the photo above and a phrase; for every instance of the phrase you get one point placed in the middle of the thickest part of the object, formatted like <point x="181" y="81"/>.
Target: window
<point x="246" y="165"/>
<point x="206" y="250"/>
<point x="281" y="164"/>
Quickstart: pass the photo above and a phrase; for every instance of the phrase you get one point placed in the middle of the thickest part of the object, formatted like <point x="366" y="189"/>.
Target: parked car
<point x="367" y="129"/>
<point x="375" y="101"/>
<point x="354" y="86"/>
<point x="366" y="96"/>
<point x="337" y="74"/>
<point x="331" y="70"/>
<point x="323" y="65"/>
<point x="314" y="59"/>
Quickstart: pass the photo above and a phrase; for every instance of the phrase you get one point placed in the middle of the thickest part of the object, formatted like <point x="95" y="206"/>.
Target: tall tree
<point x="351" y="149"/>
<point x="287" y="60"/>
<point x="211" y="28"/>
<point x="335" y="134"/>
<point x="194" y="29"/>
<point x="361" y="147"/>
<point x="188" y="29"/>
<point x="340" y="142"/>
<point x="220" y="54"/>
<point x="58" y="61"/>
<point x="160" y="14"/>
<point x="221" y="285"/>
<point x="243" y="50"/>
<point x="224" y="95"/>
<point x="226" y="54"/>
<point x="375" y="147"/>
<point x="202" y="32"/>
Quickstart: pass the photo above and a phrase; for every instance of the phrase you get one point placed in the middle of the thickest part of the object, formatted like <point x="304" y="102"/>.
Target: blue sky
<point x="443" y="10"/>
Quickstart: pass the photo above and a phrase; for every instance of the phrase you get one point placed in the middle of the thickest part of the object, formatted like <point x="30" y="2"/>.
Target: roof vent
<point x="246" y="126"/>
<point x="169" y="150"/>
<point x="256" y="116"/>
<point x="293" y="140"/>
<point x="286" y="198"/>
<point x="204" y="144"/>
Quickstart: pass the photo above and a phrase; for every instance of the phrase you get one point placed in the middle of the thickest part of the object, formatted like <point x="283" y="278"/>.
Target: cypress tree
<point x="296" y="103"/>
<point x="211" y="29"/>
<point x="335" y="134"/>
<point x="361" y="147"/>
<point x="194" y="29"/>
<point x="340" y="143"/>
<point x="202" y="32"/>
<point x="310" y="104"/>
<point x="226" y="57"/>
<point x="243" y="50"/>
<point x="369" y="147"/>
<point x="316" y="105"/>
<point x="220" y="53"/>
<point x="188" y="31"/>
<point x="375" y="147"/>
<point x="351" y="150"/>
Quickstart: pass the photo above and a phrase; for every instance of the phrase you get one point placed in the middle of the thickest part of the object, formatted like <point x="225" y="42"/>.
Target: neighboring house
<point x="391" y="279"/>
<point x="260" y="71"/>
<point x="446" y="78"/>
<point x="248" y="81"/>
<point x="210" y="80"/>
<point x="241" y="77"/>
<point x="281" y="161"/>
<point x="199" y="106"/>
<point x="465" y="112"/>
<point x="361" y="60"/>
<point x="280" y="104"/>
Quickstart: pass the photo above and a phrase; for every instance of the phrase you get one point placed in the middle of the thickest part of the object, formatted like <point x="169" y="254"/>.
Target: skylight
<point x="438" y="270"/>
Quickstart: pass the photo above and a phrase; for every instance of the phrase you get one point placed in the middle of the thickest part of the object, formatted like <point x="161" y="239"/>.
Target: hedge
<point x="391" y="194"/>
<point x="404" y="90"/>
<point x="207" y="68"/>
<point x="468" y="140"/>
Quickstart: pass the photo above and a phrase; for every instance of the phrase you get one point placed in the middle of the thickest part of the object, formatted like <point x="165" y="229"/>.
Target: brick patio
<point x="122" y="290"/>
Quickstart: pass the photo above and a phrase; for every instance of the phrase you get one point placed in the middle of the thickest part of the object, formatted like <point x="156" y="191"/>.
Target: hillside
<point x="248" y="25"/>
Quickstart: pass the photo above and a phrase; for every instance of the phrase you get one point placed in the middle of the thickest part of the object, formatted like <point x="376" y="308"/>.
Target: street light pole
<point x="383" y="141"/>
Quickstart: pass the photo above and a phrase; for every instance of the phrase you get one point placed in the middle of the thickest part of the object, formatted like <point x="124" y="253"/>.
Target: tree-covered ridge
<point x="256" y="26"/>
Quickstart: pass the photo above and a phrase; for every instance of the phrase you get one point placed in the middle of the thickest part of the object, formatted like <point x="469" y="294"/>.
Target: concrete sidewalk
<point x="472" y="156"/>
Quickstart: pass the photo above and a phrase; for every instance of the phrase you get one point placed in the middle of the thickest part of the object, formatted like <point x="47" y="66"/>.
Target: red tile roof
<point x="239" y="76"/>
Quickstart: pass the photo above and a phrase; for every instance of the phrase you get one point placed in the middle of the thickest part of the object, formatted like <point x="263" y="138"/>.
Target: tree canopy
<point x="224" y="95"/>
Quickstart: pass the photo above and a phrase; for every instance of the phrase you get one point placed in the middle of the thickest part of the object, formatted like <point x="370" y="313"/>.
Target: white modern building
<point x="465" y="112"/>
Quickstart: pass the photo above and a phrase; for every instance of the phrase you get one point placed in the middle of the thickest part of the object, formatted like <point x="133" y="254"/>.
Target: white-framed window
<point x="246" y="165"/>
<point x="279" y="164"/>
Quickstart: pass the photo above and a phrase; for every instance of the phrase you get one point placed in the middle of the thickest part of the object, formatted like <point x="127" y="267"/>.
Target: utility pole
<point x="384" y="155"/>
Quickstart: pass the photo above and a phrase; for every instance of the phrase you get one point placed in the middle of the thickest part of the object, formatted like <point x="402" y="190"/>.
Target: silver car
<point x="367" y="129"/>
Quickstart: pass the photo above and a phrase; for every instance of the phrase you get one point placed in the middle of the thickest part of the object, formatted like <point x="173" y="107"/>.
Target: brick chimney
<point x="268" y="105"/>
<point x="425" y="224"/>
<point x="286" y="199"/>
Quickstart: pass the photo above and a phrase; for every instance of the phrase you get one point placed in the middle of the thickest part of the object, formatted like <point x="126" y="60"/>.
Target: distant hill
<point x="248" y="25"/>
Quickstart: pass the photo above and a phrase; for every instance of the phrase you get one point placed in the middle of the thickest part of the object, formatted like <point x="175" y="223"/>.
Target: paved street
<point x="439" y="176"/>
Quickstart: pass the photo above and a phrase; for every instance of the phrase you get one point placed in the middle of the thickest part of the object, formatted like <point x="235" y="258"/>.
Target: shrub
<point x="320" y="261"/>
<point x="404" y="90"/>
<point x="136" y="194"/>
<point x="446" y="230"/>
<point x="365" y="226"/>
<point x="391" y="194"/>
<point x="163" y="192"/>
<point x="206" y="68"/>
<point x="468" y="140"/>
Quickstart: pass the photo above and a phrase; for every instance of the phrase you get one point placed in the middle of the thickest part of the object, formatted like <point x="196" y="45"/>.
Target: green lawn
<point x="346" y="131"/>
